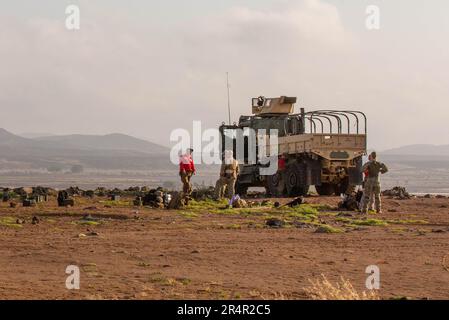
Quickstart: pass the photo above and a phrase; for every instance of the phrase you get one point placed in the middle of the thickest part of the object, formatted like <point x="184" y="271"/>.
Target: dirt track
<point x="160" y="254"/>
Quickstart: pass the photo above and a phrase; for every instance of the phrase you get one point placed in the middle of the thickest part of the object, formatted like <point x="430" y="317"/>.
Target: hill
<point x="107" y="152"/>
<point x="419" y="150"/>
<point x="115" y="141"/>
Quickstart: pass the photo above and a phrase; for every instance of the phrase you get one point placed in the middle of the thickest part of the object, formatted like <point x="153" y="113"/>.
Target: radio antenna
<point x="229" y="98"/>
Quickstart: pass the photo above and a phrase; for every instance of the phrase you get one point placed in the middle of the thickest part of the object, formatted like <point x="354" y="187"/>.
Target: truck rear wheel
<point x="295" y="180"/>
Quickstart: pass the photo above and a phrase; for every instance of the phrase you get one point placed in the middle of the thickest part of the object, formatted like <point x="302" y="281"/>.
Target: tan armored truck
<point x="323" y="148"/>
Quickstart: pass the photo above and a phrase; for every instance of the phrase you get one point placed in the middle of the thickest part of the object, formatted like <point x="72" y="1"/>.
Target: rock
<point x="89" y="193"/>
<point x="138" y="202"/>
<point x="178" y="201"/>
<point x="12" y="204"/>
<point x="251" y="204"/>
<point x="321" y="230"/>
<point x="295" y="202"/>
<point x="397" y="193"/>
<point x="302" y="225"/>
<point x="23" y="191"/>
<point x="157" y="198"/>
<point x="35" y="220"/>
<point x="344" y="214"/>
<point x="277" y="204"/>
<point x="266" y="203"/>
<point x="89" y="233"/>
<point x="64" y="199"/>
<point x="72" y="191"/>
<point x="20" y="221"/>
<point x="239" y="203"/>
<point x="275" y="223"/>
<point x="327" y="229"/>
<point x="29" y="203"/>
<point x="43" y="191"/>
<point x="203" y="193"/>
<point x="6" y="197"/>
<point x="88" y="217"/>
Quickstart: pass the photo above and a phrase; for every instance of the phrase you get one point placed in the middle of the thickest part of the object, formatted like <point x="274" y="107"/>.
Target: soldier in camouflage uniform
<point x="186" y="171"/>
<point x="228" y="176"/>
<point x="362" y="200"/>
<point x="372" y="183"/>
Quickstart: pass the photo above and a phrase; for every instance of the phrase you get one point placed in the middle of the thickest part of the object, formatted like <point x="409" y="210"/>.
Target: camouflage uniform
<point x="372" y="184"/>
<point x="186" y="184"/>
<point x="228" y="176"/>
<point x="186" y="170"/>
<point x="370" y="203"/>
<point x="362" y="200"/>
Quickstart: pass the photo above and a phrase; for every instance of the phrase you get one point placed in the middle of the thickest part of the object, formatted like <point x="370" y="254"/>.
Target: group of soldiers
<point x="229" y="172"/>
<point x="225" y="185"/>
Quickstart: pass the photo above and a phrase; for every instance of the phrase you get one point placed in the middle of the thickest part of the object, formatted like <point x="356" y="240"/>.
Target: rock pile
<point x="156" y="198"/>
<point x="201" y="194"/>
<point x="399" y="193"/>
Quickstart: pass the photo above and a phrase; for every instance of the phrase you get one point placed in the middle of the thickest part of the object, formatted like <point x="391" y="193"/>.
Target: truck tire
<point x="326" y="189"/>
<point x="295" y="180"/>
<point x="276" y="185"/>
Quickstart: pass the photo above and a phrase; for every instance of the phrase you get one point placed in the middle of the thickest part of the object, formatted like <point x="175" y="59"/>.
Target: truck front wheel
<point x="276" y="185"/>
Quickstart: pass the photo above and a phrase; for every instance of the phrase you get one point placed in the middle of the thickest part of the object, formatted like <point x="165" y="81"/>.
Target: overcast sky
<point x="147" y="67"/>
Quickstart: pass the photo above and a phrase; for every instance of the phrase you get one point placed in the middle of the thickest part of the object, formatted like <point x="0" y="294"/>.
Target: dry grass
<point x="323" y="289"/>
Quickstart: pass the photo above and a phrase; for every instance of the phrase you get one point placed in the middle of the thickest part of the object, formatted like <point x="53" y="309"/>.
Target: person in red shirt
<point x="281" y="163"/>
<point x="186" y="170"/>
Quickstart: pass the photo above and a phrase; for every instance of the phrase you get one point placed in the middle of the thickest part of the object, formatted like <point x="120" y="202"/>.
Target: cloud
<point x="115" y="72"/>
<point x="144" y="77"/>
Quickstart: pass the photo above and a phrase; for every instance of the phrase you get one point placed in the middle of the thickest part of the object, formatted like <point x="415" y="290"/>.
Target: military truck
<point x="323" y="148"/>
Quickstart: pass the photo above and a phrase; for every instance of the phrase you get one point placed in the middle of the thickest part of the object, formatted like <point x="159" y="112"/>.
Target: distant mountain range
<point x="112" y="151"/>
<point x="122" y="152"/>
<point x="419" y="150"/>
<point x="114" y="141"/>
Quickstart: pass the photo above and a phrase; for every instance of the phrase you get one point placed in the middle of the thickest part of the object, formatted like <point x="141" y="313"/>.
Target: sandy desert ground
<point x="205" y="252"/>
